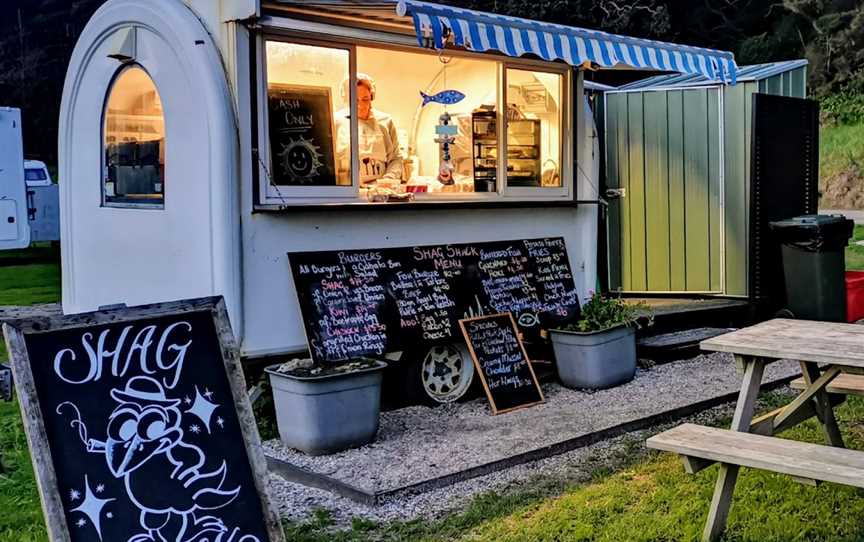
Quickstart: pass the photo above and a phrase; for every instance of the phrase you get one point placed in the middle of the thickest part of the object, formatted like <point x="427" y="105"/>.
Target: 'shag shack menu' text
<point x="134" y="428"/>
<point x="367" y="302"/>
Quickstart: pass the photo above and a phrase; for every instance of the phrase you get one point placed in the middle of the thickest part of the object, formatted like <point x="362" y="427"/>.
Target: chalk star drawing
<point x="100" y="488"/>
<point x="81" y="522"/>
<point x="220" y="422"/>
<point x="202" y="409"/>
<point x="208" y="394"/>
<point x="74" y="495"/>
<point x="92" y="507"/>
<point x="195" y="429"/>
<point x="109" y="515"/>
<point x="187" y="400"/>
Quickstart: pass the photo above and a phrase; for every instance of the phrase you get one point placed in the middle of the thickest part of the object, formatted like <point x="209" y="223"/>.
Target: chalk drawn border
<point x="15" y="332"/>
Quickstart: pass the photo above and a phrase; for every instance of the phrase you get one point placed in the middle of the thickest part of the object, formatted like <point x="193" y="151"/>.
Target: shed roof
<point x="754" y="72"/>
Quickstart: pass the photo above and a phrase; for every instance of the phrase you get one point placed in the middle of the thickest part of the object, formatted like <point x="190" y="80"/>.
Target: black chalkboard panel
<point x="501" y="362"/>
<point x="367" y="302"/>
<point x="302" y="144"/>
<point x="139" y="426"/>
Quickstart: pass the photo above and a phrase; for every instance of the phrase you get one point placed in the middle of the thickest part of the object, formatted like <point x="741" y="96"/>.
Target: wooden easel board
<point x="139" y="425"/>
<point x="501" y="361"/>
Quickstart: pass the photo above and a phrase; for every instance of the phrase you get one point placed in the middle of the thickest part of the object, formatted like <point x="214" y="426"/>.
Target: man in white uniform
<point x="380" y="157"/>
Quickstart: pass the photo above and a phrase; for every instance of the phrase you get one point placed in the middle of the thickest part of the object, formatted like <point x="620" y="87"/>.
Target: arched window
<point x="134" y="139"/>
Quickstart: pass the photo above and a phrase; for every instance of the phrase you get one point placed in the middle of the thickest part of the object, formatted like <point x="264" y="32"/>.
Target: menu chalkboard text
<point x="501" y="362"/>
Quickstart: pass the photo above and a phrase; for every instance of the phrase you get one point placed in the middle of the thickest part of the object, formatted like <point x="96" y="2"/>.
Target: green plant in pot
<point x="599" y="350"/>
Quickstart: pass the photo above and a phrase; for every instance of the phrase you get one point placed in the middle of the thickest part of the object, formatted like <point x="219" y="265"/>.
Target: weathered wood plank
<point x="727" y="476"/>
<point x="844" y="384"/>
<point x="803" y="340"/>
<point x="824" y="410"/>
<point x="799" y="459"/>
<point x="811" y="392"/>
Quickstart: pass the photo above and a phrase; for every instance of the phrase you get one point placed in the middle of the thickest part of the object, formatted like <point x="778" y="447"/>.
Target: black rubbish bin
<point x="814" y="265"/>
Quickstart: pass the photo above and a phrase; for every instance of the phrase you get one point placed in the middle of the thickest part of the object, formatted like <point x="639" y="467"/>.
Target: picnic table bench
<point x="839" y="349"/>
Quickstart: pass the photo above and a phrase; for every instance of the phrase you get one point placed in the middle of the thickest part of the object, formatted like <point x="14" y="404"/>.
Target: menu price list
<point x="501" y="361"/>
<point x="368" y="302"/>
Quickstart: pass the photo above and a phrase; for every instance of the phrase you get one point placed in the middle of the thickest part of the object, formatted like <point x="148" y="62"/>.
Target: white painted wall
<point x="191" y="247"/>
<point x="194" y="246"/>
<point x="273" y="321"/>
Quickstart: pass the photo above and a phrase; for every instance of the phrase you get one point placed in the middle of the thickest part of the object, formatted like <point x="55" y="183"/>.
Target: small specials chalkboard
<point x="139" y="425"/>
<point x="302" y="135"/>
<point x="501" y="362"/>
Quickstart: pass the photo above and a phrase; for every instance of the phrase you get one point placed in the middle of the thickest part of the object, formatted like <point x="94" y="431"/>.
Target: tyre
<point x="446" y="372"/>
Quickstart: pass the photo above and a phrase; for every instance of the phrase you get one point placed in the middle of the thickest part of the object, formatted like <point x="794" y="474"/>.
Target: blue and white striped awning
<point x="478" y="31"/>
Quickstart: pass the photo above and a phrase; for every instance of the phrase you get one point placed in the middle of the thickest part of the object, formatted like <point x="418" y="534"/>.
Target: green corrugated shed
<point x="679" y="146"/>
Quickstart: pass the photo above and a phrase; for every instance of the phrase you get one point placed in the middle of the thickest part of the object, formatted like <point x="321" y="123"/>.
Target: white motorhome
<point x="14" y="228"/>
<point x="189" y="167"/>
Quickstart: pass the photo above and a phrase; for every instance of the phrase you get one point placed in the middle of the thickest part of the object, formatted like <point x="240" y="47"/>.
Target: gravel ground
<point x="420" y="443"/>
<point x="297" y="502"/>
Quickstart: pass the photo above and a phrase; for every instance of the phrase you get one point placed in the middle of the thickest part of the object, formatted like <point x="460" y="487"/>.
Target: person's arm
<point x="394" y="155"/>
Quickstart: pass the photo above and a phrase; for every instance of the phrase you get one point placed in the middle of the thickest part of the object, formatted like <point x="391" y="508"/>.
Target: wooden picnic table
<point x="824" y="350"/>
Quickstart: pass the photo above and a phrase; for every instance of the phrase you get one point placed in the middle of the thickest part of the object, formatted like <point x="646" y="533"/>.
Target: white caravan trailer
<point x="189" y="167"/>
<point x="14" y="229"/>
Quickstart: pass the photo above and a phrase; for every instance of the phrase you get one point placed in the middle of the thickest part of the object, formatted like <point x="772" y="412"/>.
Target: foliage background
<point x="37" y="37"/>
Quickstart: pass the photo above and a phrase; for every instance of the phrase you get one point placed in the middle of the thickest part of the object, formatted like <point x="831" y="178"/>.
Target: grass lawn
<point x="21" y="516"/>
<point x="649" y="498"/>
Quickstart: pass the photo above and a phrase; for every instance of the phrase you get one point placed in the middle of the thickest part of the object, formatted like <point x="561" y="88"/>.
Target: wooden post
<point x="728" y="474"/>
<point x="824" y="409"/>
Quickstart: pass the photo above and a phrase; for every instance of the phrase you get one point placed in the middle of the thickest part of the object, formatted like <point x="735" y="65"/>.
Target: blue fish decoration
<point x="446" y="97"/>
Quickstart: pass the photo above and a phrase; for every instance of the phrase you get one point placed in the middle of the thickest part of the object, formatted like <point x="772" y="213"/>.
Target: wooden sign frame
<point x="37" y="438"/>
<point x="495" y="409"/>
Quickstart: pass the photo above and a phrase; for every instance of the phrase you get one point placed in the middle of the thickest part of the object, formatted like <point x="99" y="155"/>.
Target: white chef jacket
<point x="378" y="147"/>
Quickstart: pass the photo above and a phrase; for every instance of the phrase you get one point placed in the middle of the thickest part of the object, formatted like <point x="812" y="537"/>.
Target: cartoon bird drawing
<point x="145" y="448"/>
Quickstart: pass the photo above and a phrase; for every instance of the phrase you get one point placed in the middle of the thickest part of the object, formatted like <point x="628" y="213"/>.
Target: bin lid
<point x="814" y="226"/>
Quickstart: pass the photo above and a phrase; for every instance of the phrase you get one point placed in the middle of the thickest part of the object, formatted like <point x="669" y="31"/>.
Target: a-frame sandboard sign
<point x="140" y="427"/>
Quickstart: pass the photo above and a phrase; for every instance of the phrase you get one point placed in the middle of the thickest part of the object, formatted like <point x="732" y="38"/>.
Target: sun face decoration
<point x="300" y="160"/>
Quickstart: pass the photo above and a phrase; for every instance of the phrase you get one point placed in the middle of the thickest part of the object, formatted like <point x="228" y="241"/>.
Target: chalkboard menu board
<point x="139" y="425"/>
<point x="367" y="302"/>
<point x="302" y="144"/>
<point x="501" y="362"/>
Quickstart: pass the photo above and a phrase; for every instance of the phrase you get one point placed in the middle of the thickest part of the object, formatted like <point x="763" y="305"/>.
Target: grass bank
<point x="841" y="166"/>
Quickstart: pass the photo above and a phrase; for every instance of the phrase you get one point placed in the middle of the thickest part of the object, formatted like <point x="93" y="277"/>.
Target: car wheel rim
<point x="446" y="372"/>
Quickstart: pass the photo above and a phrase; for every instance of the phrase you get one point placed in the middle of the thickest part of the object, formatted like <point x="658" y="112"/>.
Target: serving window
<point x="355" y="123"/>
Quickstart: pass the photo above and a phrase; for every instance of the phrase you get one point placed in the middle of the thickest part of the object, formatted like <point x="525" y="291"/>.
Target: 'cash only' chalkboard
<point x="139" y="426"/>
<point x="358" y="303"/>
<point x="302" y="135"/>
<point x="501" y="362"/>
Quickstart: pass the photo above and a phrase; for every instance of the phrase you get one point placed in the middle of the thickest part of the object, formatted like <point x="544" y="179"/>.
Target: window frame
<point x="103" y="176"/>
<point x="564" y="124"/>
<point x="272" y="193"/>
<point x="292" y="31"/>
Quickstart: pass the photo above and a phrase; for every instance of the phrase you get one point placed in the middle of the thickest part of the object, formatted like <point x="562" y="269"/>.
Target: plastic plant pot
<point x="328" y="413"/>
<point x="597" y="359"/>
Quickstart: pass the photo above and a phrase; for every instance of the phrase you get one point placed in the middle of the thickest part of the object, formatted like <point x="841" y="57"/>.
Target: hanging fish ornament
<point x="446" y="97"/>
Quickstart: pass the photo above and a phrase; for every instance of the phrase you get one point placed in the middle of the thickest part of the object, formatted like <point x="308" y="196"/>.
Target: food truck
<point x="201" y="141"/>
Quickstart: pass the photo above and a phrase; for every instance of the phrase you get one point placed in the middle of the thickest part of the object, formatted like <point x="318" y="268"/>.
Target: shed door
<point x="663" y="152"/>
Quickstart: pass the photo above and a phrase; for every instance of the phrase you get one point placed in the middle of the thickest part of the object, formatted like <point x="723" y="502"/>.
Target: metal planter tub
<point x="595" y="360"/>
<point x="329" y="413"/>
